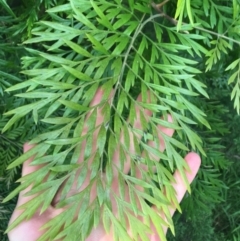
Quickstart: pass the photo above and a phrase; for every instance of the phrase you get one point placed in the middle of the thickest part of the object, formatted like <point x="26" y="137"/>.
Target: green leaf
<point x="121" y="231"/>
<point x="117" y="68"/>
<point x="143" y="45"/>
<point x="112" y="145"/>
<point x="64" y="168"/>
<point x="36" y="94"/>
<point x="97" y="215"/>
<point x="179" y="13"/>
<point x="117" y="124"/>
<point x="47" y="73"/>
<point x="61" y="27"/>
<point x="35" y="115"/>
<point x="174" y="104"/>
<point x="9" y="76"/>
<point x="106" y="220"/>
<point x="123" y="44"/>
<point x="142" y="8"/>
<point x="123" y="19"/>
<point x="165" y="123"/>
<point x="57" y="59"/>
<point x="97" y="45"/>
<point x="195" y="111"/>
<point x="154" y="107"/>
<point x="189" y="11"/>
<point x="19" y="86"/>
<point x="233" y="77"/>
<point x="206" y="7"/>
<point x="137" y="181"/>
<point x="157" y="221"/>
<point x="109" y="173"/>
<point x="77" y="73"/>
<point x="81" y="18"/>
<point x="82" y="178"/>
<point x="15" y="192"/>
<point x="37" y="149"/>
<point x="133" y="199"/>
<point x="103" y="20"/>
<point x="233" y="64"/>
<point x="77" y="48"/>
<point x="175" y="142"/>
<point x="55" y="85"/>
<point x="7" y="8"/>
<point x="213" y="19"/>
<point x="132" y="27"/>
<point x="101" y="139"/>
<point x="58" y="120"/>
<point x="66" y="141"/>
<point x="73" y="105"/>
<point x="101" y="192"/>
<point x="61" y="8"/>
<point x="14" y="119"/>
<point x="33" y="206"/>
<point x="154" y="151"/>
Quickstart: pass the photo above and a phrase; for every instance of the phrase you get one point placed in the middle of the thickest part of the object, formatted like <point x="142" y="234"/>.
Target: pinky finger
<point x="193" y="160"/>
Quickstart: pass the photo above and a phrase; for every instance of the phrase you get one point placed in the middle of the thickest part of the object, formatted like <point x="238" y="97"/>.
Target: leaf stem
<point x="217" y="34"/>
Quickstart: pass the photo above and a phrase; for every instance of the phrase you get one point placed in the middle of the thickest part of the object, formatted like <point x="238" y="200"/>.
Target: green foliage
<point x="7" y="208"/>
<point x="215" y="220"/>
<point x="68" y="49"/>
<point x="197" y="228"/>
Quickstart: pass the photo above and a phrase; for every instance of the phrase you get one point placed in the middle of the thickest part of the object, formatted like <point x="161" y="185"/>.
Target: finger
<point x="141" y="113"/>
<point x="193" y="160"/>
<point x="130" y="151"/>
<point x="161" y="130"/>
<point x="37" y="218"/>
<point x="158" y="145"/>
<point x="75" y="188"/>
<point x="133" y="135"/>
<point x="99" y="120"/>
<point x="137" y="124"/>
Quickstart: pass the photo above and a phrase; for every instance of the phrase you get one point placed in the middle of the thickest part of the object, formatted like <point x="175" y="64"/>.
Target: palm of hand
<point x="29" y="230"/>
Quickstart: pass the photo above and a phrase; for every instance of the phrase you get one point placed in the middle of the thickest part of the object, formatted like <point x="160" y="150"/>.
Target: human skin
<point x="29" y="230"/>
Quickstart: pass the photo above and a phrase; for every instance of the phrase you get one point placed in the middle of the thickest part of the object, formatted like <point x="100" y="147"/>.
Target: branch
<point x="158" y="8"/>
<point x="159" y="5"/>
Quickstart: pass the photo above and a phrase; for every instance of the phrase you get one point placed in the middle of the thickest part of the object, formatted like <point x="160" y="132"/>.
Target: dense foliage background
<point x="211" y="40"/>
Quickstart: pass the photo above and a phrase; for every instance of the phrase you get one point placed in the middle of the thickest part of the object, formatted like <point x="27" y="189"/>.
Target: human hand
<point x="29" y="230"/>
